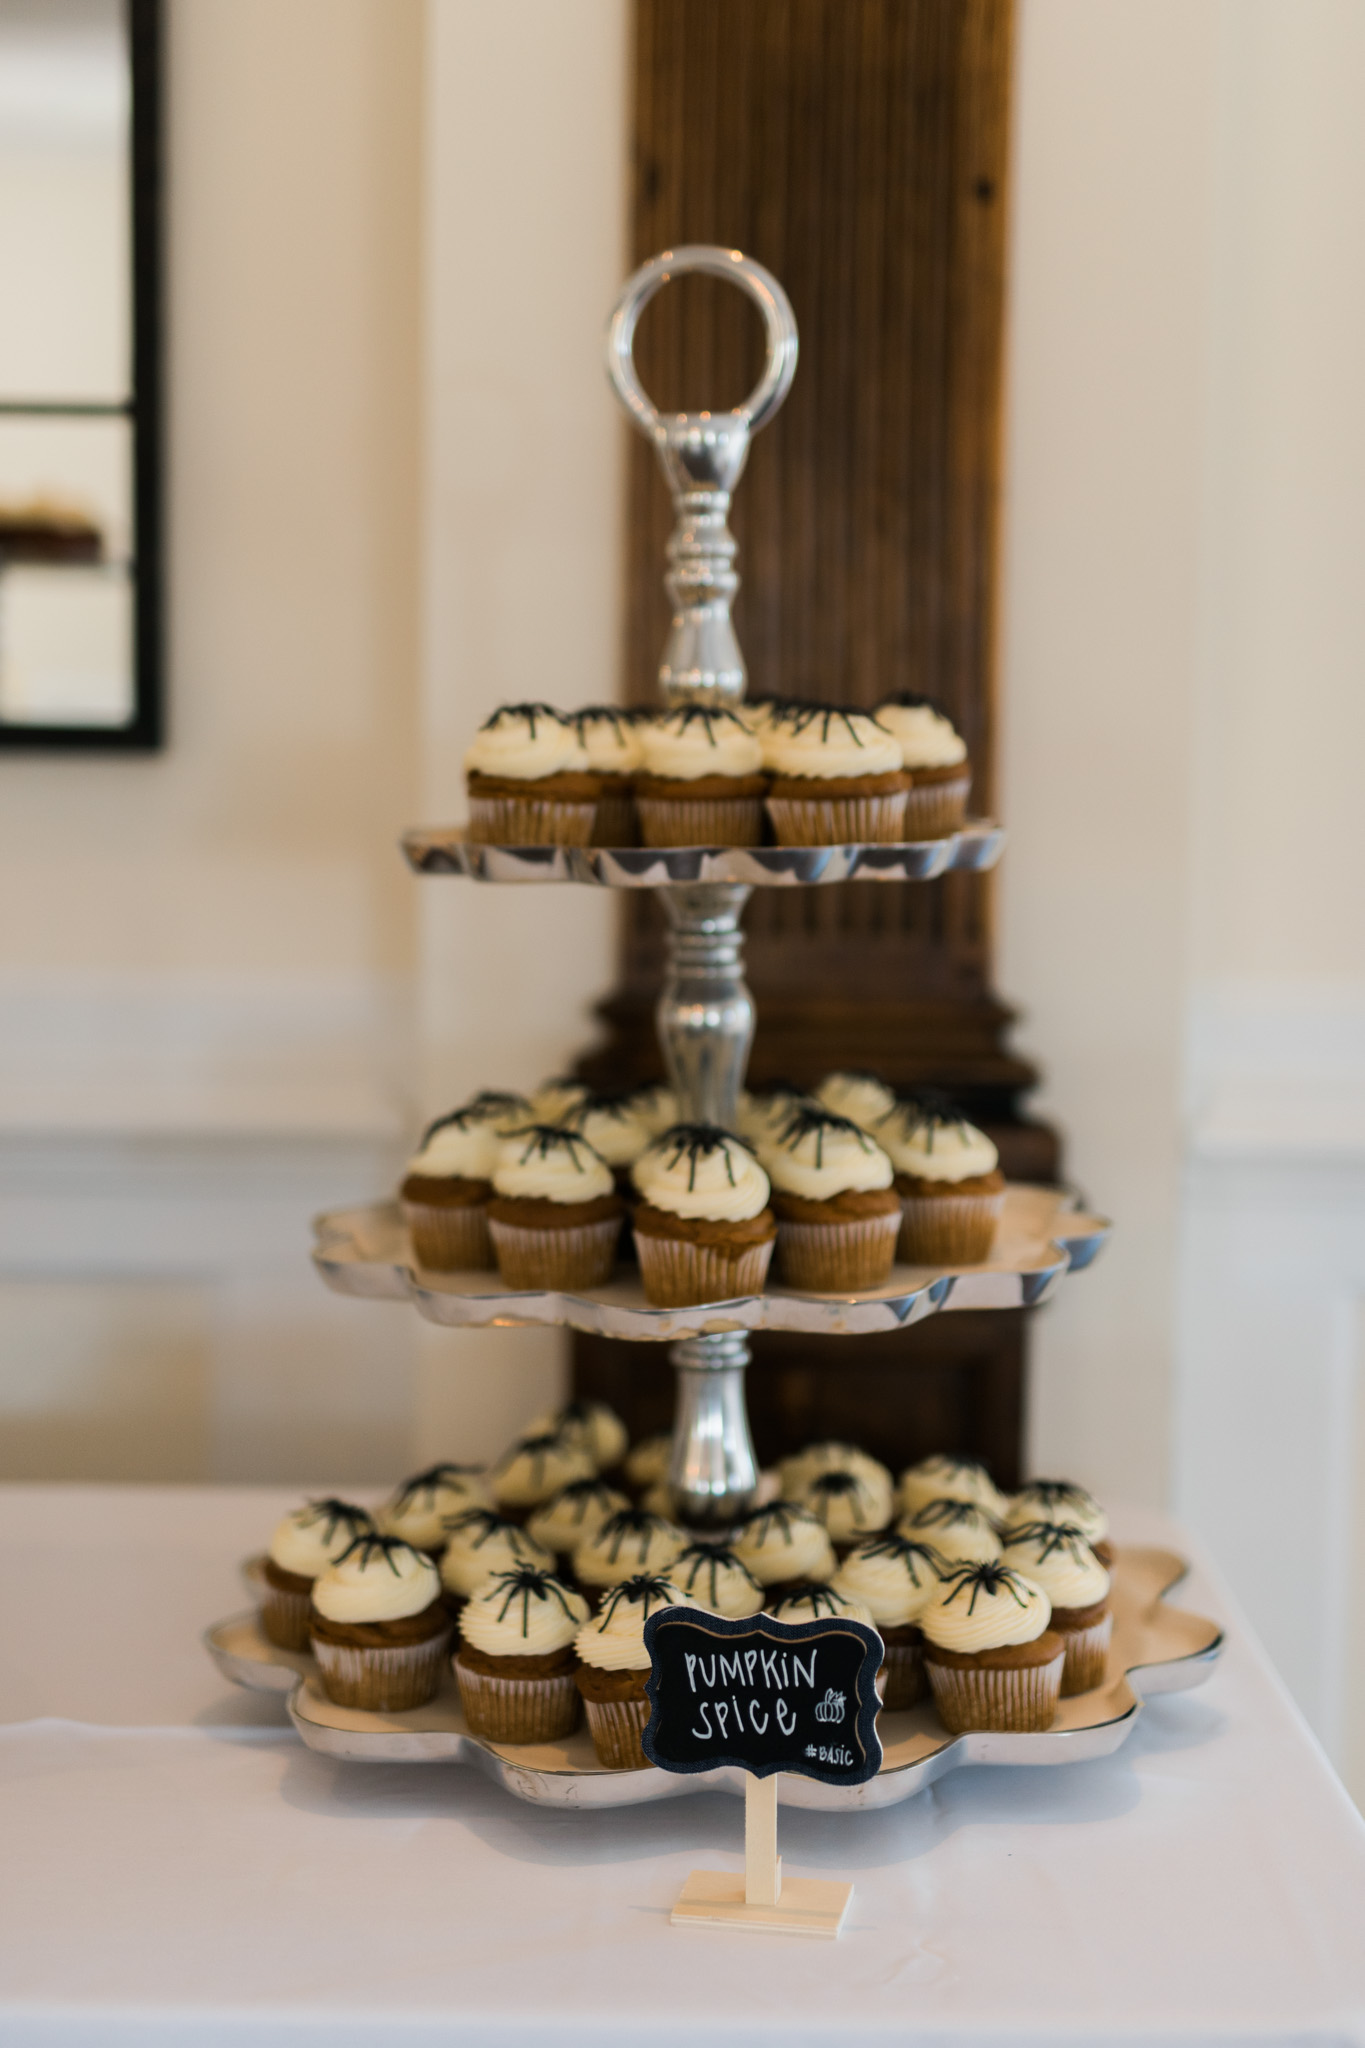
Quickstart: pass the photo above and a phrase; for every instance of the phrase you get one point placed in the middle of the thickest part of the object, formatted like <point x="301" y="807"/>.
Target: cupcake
<point x="515" y="1665"/>
<point x="617" y="1129"/>
<point x="991" y="1658"/>
<point x="947" y="1176"/>
<point x="702" y="782"/>
<point x="944" y="1478"/>
<point x="480" y="1543"/>
<point x="818" y="1603"/>
<point x="784" y="1546"/>
<point x="761" y="1112"/>
<point x="837" y="778"/>
<point x="610" y="739"/>
<point x="529" y="781"/>
<point x="703" y="1228"/>
<point x="655" y="1104"/>
<point x="955" y="1529"/>
<point x="380" y="1629"/>
<point x="849" y="1504"/>
<point x="627" y="1543"/>
<point x="534" y="1470"/>
<point x="935" y="758"/>
<point x="594" y="1425"/>
<point x="301" y="1549"/>
<point x="648" y="1462"/>
<point x="446" y="1192"/>
<point x="1057" y="1557"/>
<point x="895" y="1578"/>
<point x="795" y="1473"/>
<point x="423" y="1507"/>
<point x="573" y="1515"/>
<point x="838" y="1216"/>
<point x="613" y="1667"/>
<point x="756" y="714"/>
<point x="555" y="1216"/>
<point x="717" y="1579"/>
<point x="862" y="1097"/>
<point x="1061" y="1500"/>
<point x="557" y="1099"/>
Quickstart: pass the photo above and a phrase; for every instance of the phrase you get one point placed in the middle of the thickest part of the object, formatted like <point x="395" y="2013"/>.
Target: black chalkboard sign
<point x="765" y="1695"/>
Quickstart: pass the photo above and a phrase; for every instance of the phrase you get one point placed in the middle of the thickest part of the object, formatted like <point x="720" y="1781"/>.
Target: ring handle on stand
<point x="760" y="285"/>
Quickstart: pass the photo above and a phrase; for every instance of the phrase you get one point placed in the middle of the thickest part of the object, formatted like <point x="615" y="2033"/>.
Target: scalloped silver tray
<point x="444" y="850"/>
<point x="1155" y="1649"/>
<point x="1043" y="1235"/>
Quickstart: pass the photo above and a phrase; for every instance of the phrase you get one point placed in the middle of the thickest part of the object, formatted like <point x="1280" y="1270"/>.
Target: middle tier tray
<point x="445" y="850"/>
<point x="1043" y="1235"/>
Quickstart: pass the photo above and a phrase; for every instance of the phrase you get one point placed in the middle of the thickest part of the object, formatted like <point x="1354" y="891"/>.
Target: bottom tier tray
<point x="1155" y="1649"/>
<point x="1043" y="1235"/>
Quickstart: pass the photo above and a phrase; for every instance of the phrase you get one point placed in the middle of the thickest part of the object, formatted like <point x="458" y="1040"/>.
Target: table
<point x="177" y="1868"/>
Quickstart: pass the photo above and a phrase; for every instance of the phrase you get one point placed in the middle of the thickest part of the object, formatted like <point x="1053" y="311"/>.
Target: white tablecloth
<point x="175" y="1867"/>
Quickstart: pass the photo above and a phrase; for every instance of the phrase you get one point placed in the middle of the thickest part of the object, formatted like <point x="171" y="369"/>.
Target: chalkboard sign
<point x="764" y="1695"/>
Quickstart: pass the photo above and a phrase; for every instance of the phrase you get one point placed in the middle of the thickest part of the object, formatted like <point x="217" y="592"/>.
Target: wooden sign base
<point x="760" y="1899"/>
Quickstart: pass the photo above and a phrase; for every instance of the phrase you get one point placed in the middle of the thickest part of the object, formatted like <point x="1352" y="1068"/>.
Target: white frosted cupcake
<point x="611" y="741"/>
<point x="515" y="1665"/>
<point x="481" y="1543"/>
<point x="703" y="1228"/>
<point x="613" y="1667"/>
<point x="838" y="1216"/>
<point x="956" y="1529"/>
<point x="717" y="1579"/>
<point x="837" y="778"/>
<point x="529" y="780"/>
<point x="617" y="1127"/>
<point x="943" y="1478"/>
<point x="446" y="1191"/>
<point x="422" y="1508"/>
<point x="784" y="1546"/>
<point x="626" y="1544"/>
<point x="991" y="1658"/>
<point x="648" y="1462"/>
<point x="796" y="1472"/>
<point x="895" y="1578"/>
<point x="574" y="1514"/>
<point x="534" y="1469"/>
<point x="305" y="1543"/>
<point x="555" y="1216"/>
<point x="863" y="1098"/>
<point x="947" y="1176"/>
<point x="1059" y="1559"/>
<point x="819" y="1603"/>
<point x="702" y="781"/>
<point x="556" y="1100"/>
<point x="851" y="1506"/>
<point x="380" y="1629"/>
<point x="594" y="1425"/>
<point x="935" y="759"/>
<point x="656" y="1104"/>
<point x="1061" y="1500"/>
<point x="763" y="1111"/>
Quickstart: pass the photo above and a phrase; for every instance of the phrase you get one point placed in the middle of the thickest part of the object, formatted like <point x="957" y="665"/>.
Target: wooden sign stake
<point x="760" y="1899"/>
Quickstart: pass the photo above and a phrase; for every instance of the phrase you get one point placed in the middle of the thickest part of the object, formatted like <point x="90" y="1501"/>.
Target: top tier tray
<point x="445" y="850"/>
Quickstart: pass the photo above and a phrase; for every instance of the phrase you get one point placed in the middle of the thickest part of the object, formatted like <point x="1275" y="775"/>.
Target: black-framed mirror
<point x="80" y="375"/>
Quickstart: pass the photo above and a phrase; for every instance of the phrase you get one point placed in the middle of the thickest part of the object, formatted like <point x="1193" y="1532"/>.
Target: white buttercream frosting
<point x="503" y="1108"/>
<point x="698" y="1170"/>
<point x="1058" y="1559"/>
<point x="617" y="1130"/>
<point x="761" y="1114"/>
<point x="848" y="1503"/>
<point x="522" y="1613"/>
<point x="784" y="1541"/>
<point x="985" y="1608"/>
<point x="657" y="1104"/>
<point x="830" y="1456"/>
<point x="610" y="739"/>
<point x="423" y="1506"/>
<point x="756" y="714"/>
<point x="693" y="741"/>
<point x="547" y="1164"/>
<point x="956" y="1529"/>
<point x="717" y="1580"/>
<point x="927" y="738"/>
<point x="894" y="1576"/>
<point x="1058" y="1500"/>
<point x="526" y="742"/>
<point x="863" y="1098"/>
<point x="575" y="1513"/>
<point x="458" y="1147"/>
<point x="310" y="1539"/>
<point x="557" y="1098"/>
<point x="648" y="1461"/>
<point x="380" y="1578"/>
<point x="817" y="1155"/>
<point x="536" y="1467"/>
<point x="593" y="1424"/>
<point x="614" y="1640"/>
<point x="820" y="1603"/>
<point x="811" y="740"/>
<point x="944" y="1478"/>
<point x="935" y="1147"/>
<point x="481" y="1543"/>
<point x="625" y="1544"/>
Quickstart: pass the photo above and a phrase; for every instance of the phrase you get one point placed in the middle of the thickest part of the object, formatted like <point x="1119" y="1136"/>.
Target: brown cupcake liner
<point x="450" y="1239"/>
<point x="285" y="1616"/>
<point x="616" y="1727"/>
<point x="679" y="1274"/>
<point x="581" y="1256"/>
<point x="700" y="821"/>
<point x="385" y="1680"/>
<point x="934" y="809"/>
<point x="1021" y="1700"/>
<point x="616" y="822"/>
<point x="953" y="1230"/>
<point x="1087" y="1655"/>
<point x="518" y="1709"/>
<point x="837" y="1258"/>
<point x="530" y="821"/>
<point x="839" y="820"/>
<point x="906" y="1681"/>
